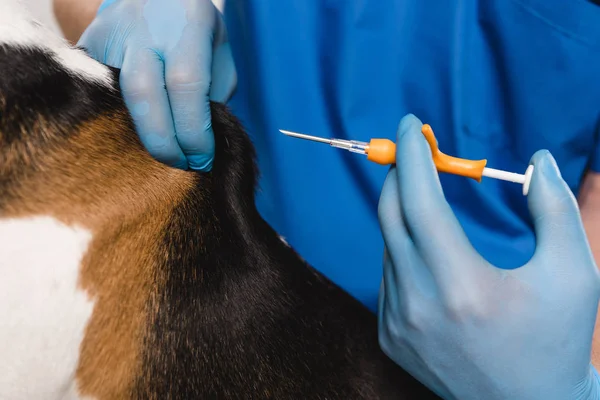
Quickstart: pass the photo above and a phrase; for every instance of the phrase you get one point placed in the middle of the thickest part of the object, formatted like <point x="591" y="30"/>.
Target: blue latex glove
<point x="174" y="56"/>
<point x="465" y="328"/>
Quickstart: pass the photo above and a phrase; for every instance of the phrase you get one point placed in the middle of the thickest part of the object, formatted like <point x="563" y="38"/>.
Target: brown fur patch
<point x="106" y="182"/>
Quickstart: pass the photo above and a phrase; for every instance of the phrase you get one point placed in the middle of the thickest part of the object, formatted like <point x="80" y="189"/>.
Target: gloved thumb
<point x="553" y="207"/>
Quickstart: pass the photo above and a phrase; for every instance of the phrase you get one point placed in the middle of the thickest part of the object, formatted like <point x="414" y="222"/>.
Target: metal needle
<point x="306" y="137"/>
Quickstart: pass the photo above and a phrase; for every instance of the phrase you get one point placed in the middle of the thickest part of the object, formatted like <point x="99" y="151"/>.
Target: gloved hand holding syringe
<point x="383" y="151"/>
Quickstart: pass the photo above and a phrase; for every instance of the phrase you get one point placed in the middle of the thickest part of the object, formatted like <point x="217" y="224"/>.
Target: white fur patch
<point x="18" y="28"/>
<point x="43" y="313"/>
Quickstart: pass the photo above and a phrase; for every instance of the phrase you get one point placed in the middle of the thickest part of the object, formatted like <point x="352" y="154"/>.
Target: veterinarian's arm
<point x="174" y="59"/>
<point x="589" y="202"/>
<point x="464" y="327"/>
<point x="74" y="16"/>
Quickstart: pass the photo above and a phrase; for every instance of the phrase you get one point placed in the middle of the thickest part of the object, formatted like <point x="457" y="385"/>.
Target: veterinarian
<point x="497" y="79"/>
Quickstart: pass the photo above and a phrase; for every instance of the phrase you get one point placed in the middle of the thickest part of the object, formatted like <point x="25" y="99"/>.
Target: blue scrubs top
<point x="496" y="79"/>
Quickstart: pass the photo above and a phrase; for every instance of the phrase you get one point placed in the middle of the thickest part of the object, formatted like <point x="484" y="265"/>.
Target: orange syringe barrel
<point x="383" y="151"/>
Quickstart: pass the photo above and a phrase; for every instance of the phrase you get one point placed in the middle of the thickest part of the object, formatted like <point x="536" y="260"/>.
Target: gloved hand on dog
<point x="465" y="328"/>
<point x="174" y="57"/>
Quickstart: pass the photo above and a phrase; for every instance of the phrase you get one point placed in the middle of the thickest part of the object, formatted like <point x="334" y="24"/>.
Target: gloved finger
<point x="141" y="81"/>
<point x="90" y="41"/>
<point x="394" y="333"/>
<point x="93" y="40"/>
<point x="399" y="249"/>
<point x="392" y="282"/>
<point x="554" y="210"/>
<point x="390" y="325"/>
<point x="381" y="300"/>
<point x="435" y="231"/>
<point x="224" y="74"/>
<point x="188" y="80"/>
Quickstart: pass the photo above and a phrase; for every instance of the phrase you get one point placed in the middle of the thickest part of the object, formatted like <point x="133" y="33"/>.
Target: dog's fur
<point x="194" y="295"/>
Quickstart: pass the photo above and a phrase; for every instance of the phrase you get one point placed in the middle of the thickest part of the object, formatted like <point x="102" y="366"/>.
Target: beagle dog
<point x="122" y="278"/>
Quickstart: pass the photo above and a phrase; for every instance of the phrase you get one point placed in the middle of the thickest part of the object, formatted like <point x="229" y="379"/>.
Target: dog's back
<point x="123" y="278"/>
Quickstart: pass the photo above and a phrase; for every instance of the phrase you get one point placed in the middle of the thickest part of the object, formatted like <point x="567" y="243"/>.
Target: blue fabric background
<point x="496" y="79"/>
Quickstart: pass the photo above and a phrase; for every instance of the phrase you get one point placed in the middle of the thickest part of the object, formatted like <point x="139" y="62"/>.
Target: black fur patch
<point x="242" y="316"/>
<point x="34" y="87"/>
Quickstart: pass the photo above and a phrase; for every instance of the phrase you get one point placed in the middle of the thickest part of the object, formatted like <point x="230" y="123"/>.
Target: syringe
<point x="383" y="151"/>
